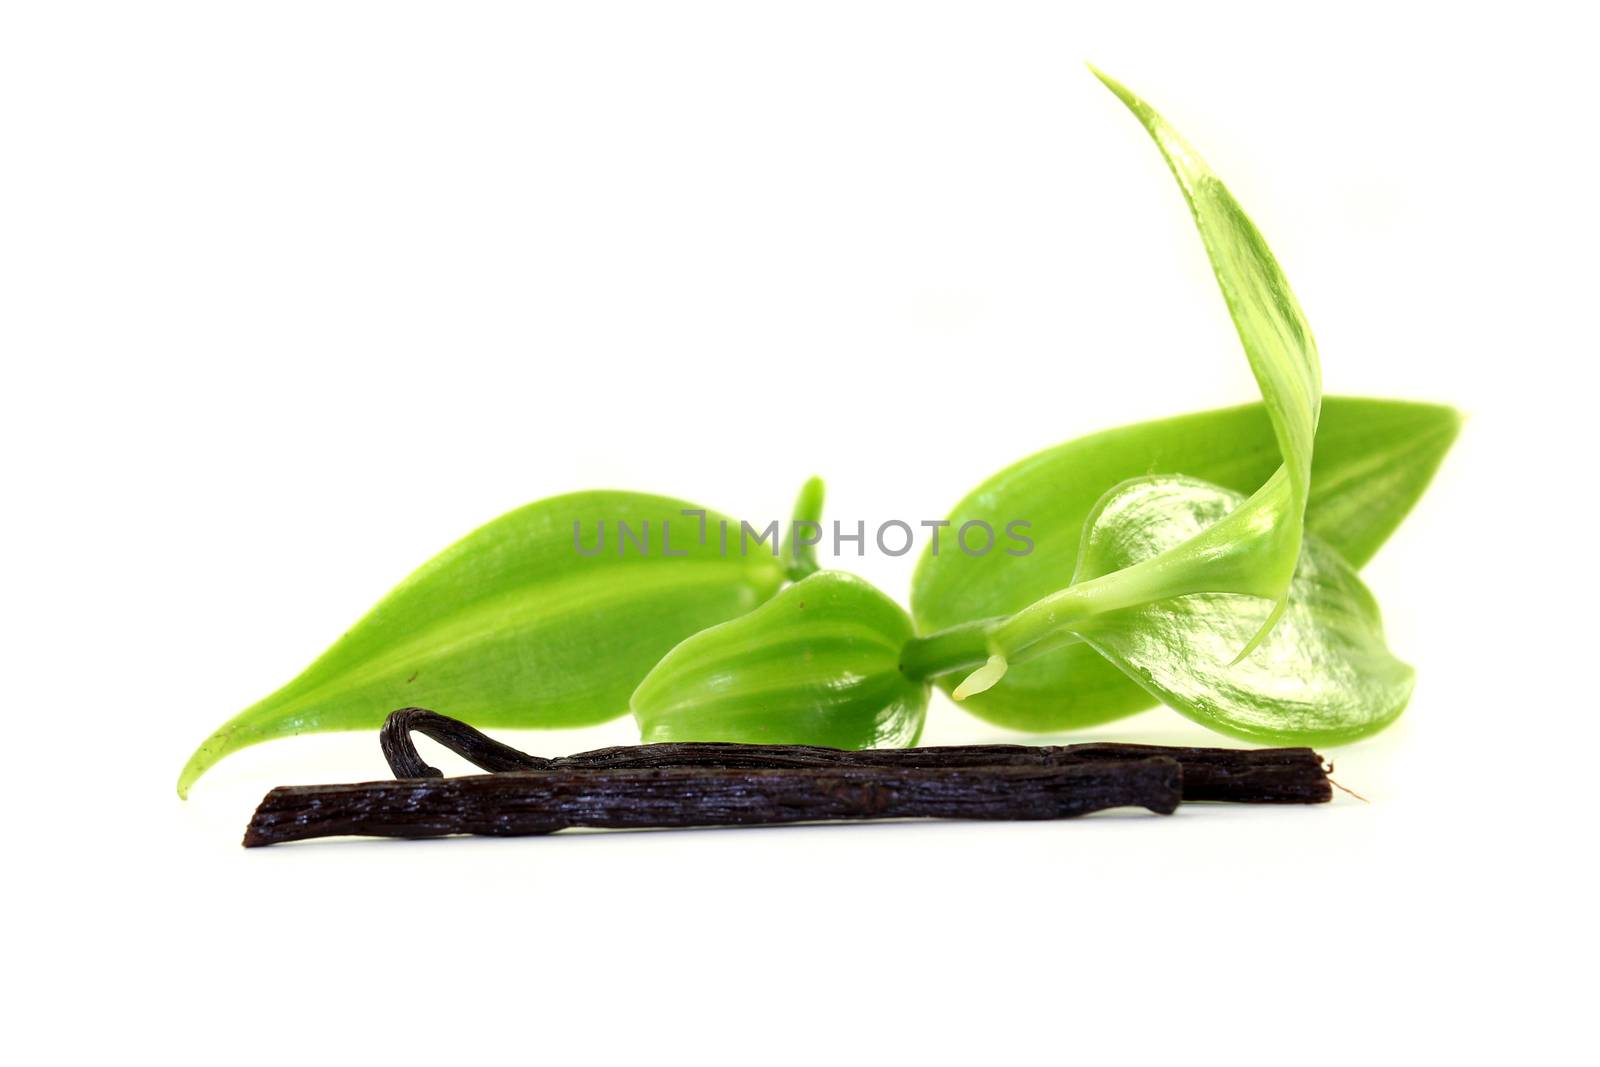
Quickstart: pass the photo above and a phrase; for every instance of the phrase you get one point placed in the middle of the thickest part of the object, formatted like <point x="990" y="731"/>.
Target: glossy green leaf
<point x="546" y="617"/>
<point x="818" y="664"/>
<point x="1373" y="460"/>
<point x="1322" y="676"/>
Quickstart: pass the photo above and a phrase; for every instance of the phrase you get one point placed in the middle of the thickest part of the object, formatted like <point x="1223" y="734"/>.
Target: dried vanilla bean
<point x="1241" y="776"/>
<point x="518" y="803"/>
<point x="476" y="747"/>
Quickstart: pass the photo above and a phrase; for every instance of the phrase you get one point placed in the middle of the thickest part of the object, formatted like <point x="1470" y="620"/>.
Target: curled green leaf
<point x="1278" y="343"/>
<point x="818" y="664"/>
<point x="1276" y="337"/>
<point x="1322" y="676"/>
<point x="1255" y="551"/>
<point x="1373" y="461"/>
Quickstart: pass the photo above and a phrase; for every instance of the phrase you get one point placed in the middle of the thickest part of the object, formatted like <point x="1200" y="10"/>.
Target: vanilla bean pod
<point x="1244" y="776"/>
<point x="516" y="803"/>
<point x="476" y="747"/>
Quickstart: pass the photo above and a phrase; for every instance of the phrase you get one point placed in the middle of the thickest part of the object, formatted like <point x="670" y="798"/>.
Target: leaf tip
<point x="1122" y="92"/>
<point x="190" y="773"/>
<point x="801" y="552"/>
<point x="1261" y="634"/>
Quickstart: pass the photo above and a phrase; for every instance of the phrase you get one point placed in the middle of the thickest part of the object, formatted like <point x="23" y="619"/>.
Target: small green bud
<point x="818" y="664"/>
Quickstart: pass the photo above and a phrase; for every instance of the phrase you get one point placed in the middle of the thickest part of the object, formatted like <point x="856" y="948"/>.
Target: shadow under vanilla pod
<point x="1208" y="562"/>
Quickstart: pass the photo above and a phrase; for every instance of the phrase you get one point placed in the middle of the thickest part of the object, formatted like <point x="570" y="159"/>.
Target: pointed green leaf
<point x="516" y="625"/>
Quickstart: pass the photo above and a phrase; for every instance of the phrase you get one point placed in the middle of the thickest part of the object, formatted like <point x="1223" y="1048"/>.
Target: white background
<point x="293" y="295"/>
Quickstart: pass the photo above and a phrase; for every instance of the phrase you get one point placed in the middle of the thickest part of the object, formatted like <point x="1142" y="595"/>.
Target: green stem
<point x="1251" y="551"/>
<point x="958" y="648"/>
